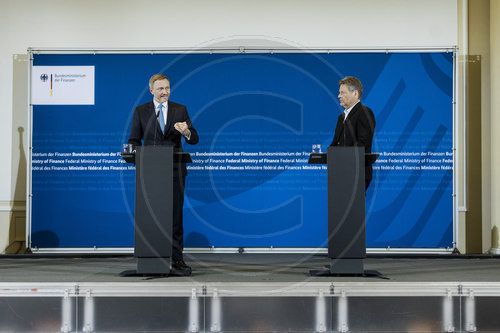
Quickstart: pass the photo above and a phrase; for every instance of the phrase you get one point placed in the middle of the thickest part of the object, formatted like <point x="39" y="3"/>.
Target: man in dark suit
<point x="163" y="122"/>
<point x="356" y="125"/>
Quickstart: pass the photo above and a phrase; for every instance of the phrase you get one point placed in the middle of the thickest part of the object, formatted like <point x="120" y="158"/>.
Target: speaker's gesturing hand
<point x="182" y="127"/>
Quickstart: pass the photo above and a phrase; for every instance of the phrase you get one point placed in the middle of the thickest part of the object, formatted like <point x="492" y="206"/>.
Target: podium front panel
<point x="346" y="202"/>
<point x="153" y="201"/>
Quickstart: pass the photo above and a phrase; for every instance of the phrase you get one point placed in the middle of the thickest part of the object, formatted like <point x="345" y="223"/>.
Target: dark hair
<point x="155" y="78"/>
<point x="353" y="84"/>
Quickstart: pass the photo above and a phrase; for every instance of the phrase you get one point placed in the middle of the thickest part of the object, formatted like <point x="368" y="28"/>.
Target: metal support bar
<point x="215" y="318"/>
<point x="67" y="313"/>
<point x="88" y="313"/>
<point x="194" y="325"/>
<point x="321" y="312"/>
<point x="342" y="313"/>
<point x="448" y="313"/>
<point x="470" y="312"/>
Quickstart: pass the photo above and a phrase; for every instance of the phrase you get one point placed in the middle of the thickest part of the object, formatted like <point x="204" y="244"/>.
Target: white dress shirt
<point x="346" y="111"/>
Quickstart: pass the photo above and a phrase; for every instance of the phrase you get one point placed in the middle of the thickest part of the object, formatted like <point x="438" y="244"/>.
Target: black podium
<point x="153" y="206"/>
<point x="346" y="208"/>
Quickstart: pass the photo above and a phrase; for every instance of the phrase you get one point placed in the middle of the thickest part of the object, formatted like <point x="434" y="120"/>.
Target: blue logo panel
<point x="258" y="116"/>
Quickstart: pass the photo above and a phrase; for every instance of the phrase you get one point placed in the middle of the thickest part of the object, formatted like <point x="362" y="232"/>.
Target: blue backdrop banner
<point x="258" y="116"/>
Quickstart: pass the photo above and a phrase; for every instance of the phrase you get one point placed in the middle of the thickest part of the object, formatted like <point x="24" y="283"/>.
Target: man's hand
<point x="182" y="128"/>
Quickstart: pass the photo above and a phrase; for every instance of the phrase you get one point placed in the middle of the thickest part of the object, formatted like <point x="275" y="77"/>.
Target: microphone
<point x="156" y="125"/>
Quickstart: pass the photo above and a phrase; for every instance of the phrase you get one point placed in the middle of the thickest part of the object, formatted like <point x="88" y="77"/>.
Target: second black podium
<point x="346" y="208"/>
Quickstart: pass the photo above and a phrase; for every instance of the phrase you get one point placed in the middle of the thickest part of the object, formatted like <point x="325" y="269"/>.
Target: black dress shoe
<point x="179" y="267"/>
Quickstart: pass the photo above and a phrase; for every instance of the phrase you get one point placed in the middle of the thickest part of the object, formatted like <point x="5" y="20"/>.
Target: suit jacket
<point x="145" y="122"/>
<point x="356" y="130"/>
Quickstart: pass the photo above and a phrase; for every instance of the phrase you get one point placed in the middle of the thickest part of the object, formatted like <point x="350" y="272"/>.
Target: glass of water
<point x="128" y="148"/>
<point x="316" y="148"/>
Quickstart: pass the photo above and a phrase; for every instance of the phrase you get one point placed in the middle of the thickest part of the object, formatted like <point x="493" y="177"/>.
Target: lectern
<point x="346" y="208"/>
<point x="153" y="206"/>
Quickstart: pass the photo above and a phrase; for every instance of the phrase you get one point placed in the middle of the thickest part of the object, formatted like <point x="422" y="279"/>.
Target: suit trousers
<point x="177" y="227"/>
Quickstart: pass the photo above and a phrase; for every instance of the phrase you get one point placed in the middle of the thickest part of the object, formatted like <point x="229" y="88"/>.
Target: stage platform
<point x="250" y="293"/>
<point x="250" y="268"/>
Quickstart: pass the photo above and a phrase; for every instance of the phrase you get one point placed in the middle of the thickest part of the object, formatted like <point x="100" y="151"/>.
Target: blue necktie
<point x="162" y="120"/>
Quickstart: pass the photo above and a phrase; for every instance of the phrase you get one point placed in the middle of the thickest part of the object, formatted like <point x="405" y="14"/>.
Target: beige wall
<point x="460" y="202"/>
<point x="12" y="226"/>
<point x="495" y="118"/>
<point x="484" y="40"/>
<point x="479" y="45"/>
